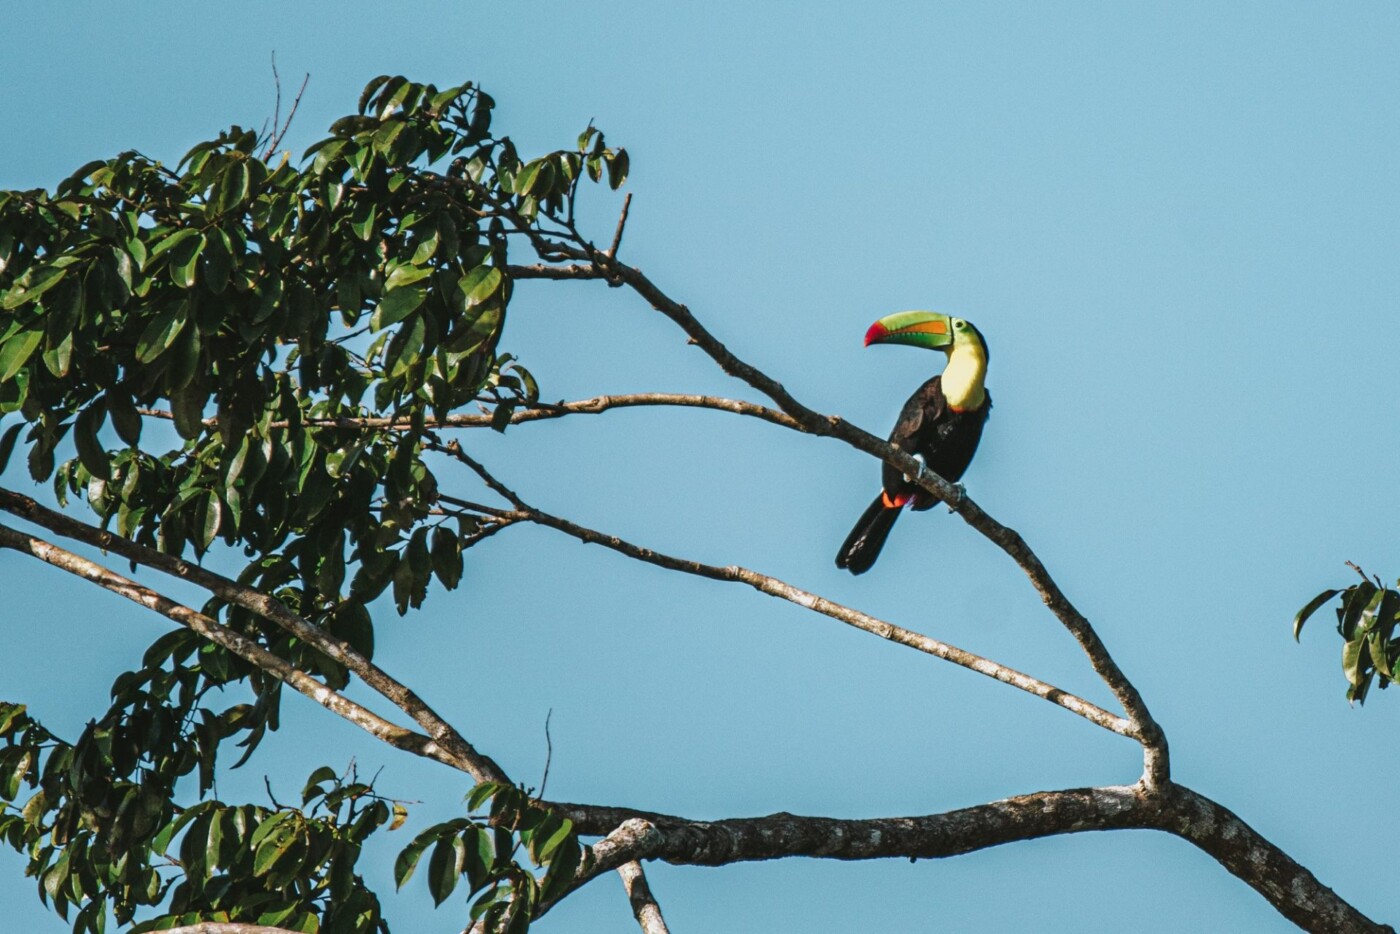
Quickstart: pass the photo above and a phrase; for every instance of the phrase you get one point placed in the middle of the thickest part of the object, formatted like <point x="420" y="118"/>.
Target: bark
<point x="644" y="906"/>
<point x="1294" y="891"/>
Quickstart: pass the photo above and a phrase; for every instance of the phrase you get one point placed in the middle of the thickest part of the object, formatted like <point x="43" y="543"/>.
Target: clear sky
<point x="1177" y="226"/>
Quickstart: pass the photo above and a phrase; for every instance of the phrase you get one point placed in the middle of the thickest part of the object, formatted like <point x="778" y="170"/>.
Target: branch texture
<point x="1214" y="829"/>
<point x="243" y="647"/>
<point x="644" y="906"/>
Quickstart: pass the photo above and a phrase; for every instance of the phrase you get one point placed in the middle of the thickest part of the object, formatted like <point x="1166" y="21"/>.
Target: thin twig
<point x="278" y="132"/>
<point x="542" y="411"/>
<point x="621" y="223"/>
<point x="548" y="753"/>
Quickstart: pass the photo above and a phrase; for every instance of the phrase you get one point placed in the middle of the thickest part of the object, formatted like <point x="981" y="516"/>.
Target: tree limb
<point x="543" y="411"/>
<point x="777" y="588"/>
<point x="644" y="906"/>
<point x="1214" y="829"/>
<point x="464" y="756"/>
<point x="245" y="648"/>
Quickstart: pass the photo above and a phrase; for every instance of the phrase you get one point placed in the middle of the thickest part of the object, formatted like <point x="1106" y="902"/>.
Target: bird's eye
<point x="959" y="324"/>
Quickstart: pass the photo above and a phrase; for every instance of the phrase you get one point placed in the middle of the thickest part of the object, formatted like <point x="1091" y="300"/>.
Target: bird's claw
<point x="959" y="494"/>
<point x="923" y="468"/>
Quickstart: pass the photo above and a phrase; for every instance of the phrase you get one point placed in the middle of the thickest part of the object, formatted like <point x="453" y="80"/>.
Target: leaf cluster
<point x="1366" y="620"/>
<point x="503" y="893"/>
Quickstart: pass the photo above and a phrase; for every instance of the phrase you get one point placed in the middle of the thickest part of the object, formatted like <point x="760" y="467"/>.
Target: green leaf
<point x="480" y="285"/>
<point x="39" y="281"/>
<point x="125" y="419"/>
<point x="565" y="831"/>
<point x="59" y="357"/>
<point x="184" y="262"/>
<point x="160" y="332"/>
<point x="187" y="405"/>
<point x="312" y="788"/>
<point x="90" y="450"/>
<point x="275" y="845"/>
<point x="210" y="518"/>
<point x="9" y="712"/>
<point x="233" y="186"/>
<point x="1352" y="656"/>
<point x="397" y="305"/>
<point x="7" y="447"/>
<point x="481" y="794"/>
<point x="407" y="860"/>
<point x="447" y="557"/>
<point x="406" y="275"/>
<point x="171" y="242"/>
<point x="16" y="351"/>
<point x="562" y="869"/>
<point x="218" y="261"/>
<point x="617" y="169"/>
<point x="445" y="868"/>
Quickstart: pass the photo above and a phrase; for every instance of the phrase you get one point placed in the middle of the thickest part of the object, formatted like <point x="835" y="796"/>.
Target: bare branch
<point x="243" y="647"/>
<point x="621" y="223"/>
<point x="225" y="927"/>
<point x="644" y="906"/>
<point x="543" y="411"/>
<point x="446" y="740"/>
<point x="545" y="271"/>
<point x="1289" y="887"/>
<point x="777" y="588"/>
<point x="278" y="132"/>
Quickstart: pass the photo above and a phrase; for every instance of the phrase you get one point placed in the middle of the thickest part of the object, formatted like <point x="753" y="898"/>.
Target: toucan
<point x="940" y="425"/>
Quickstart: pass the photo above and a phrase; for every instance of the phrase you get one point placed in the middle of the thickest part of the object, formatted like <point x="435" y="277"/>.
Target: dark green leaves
<point x="224" y="298"/>
<point x="483" y="855"/>
<point x="15" y="352"/>
<point x="1366" y="621"/>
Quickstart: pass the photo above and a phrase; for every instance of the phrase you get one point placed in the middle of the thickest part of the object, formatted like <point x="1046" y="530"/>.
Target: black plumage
<point x="945" y="438"/>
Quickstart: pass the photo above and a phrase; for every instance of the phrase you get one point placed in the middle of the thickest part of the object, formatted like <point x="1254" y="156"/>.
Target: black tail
<point x="861" y="548"/>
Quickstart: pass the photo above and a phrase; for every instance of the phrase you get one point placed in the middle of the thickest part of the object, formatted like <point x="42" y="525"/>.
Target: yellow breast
<point x="964" y="377"/>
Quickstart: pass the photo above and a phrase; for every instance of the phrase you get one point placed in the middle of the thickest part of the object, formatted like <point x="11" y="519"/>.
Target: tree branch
<point x="644" y="906"/>
<point x="225" y="927"/>
<point x="1217" y="831"/>
<point x="464" y="756"/>
<point x="243" y="647"/>
<point x="543" y="411"/>
<point x="777" y="588"/>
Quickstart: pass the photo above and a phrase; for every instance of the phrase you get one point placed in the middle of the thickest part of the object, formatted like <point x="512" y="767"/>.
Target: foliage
<point x="1366" y="621"/>
<point x="249" y="352"/>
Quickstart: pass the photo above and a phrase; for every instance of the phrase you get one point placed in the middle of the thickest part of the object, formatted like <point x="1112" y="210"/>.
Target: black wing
<point x="916" y="431"/>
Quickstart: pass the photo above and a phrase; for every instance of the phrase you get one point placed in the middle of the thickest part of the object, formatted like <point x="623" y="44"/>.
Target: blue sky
<point x="1176" y="226"/>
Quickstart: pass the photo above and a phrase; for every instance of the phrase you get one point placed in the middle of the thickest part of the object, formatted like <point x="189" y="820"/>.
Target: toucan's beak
<point x="920" y="328"/>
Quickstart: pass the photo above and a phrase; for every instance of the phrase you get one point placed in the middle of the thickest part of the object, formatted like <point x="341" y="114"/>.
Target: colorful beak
<point x="927" y="329"/>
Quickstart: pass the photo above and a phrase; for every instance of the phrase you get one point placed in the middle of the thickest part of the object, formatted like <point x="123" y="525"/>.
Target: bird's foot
<point x="919" y="476"/>
<point x="959" y="494"/>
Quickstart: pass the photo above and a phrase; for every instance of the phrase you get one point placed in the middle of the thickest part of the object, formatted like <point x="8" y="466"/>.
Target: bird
<point x="940" y="424"/>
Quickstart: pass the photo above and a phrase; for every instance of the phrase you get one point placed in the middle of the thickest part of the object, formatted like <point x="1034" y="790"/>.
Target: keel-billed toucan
<point x="941" y="423"/>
